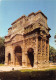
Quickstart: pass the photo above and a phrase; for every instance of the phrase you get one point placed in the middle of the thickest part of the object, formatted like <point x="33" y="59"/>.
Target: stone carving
<point x="43" y="47"/>
<point x="39" y="46"/>
<point x="46" y="48"/>
<point x="27" y="36"/>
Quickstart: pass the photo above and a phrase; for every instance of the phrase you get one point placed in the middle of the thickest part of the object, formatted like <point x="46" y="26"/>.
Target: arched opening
<point x="9" y="58"/>
<point x="18" y="55"/>
<point x="30" y="57"/>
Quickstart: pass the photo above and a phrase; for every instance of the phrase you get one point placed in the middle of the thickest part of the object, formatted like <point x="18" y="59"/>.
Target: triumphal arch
<point x="27" y="42"/>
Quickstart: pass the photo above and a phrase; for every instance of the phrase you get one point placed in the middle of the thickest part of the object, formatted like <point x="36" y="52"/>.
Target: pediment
<point x="16" y="38"/>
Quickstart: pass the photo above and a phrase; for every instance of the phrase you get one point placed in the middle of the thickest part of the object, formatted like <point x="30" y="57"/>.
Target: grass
<point x="44" y="69"/>
<point x="1" y="64"/>
<point x="27" y="70"/>
<point x="29" y="74"/>
<point x="31" y="70"/>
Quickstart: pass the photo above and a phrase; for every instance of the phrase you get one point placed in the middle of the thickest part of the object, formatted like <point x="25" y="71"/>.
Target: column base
<point x="6" y="64"/>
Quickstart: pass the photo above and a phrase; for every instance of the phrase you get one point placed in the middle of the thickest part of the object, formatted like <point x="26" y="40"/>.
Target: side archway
<point x="30" y="61"/>
<point x="9" y="58"/>
<point x="18" y="55"/>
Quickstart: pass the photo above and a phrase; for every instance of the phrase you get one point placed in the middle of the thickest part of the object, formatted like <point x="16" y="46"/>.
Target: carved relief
<point x="46" y="48"/>
<point x="16" y="38"/>
<point x="43" y="47"/>
<point x="25" y="32"/>
<point x="39" y="45"/>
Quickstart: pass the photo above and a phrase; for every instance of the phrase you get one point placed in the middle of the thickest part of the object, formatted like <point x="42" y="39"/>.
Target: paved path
<point x="9" y="68"/>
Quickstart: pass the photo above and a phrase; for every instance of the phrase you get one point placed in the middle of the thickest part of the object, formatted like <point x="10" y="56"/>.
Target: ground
<point x="12" y="68"/>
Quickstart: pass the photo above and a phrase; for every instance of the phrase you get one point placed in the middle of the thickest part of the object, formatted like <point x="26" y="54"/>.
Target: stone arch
<point x="30" y="54"/>
<point x="9" y="58"/>
<point x="18" y="55"/>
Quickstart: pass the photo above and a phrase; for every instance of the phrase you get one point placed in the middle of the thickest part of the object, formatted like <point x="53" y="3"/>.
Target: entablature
<point x="15" y="38"/>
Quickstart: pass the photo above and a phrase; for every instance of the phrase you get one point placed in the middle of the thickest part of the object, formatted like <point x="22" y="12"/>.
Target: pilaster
<point x="36" y="52"/>
<point x="23" y="54"/>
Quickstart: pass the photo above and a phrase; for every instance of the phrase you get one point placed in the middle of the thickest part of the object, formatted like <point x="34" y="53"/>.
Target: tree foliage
<point x="52" y="54"/>
<point x="2" y="50"/>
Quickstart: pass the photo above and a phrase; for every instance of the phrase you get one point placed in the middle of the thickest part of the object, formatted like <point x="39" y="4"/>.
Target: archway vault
<point x="18" y="55"/>
<point x="30" y="54"/>
<point x="9" y="58"/>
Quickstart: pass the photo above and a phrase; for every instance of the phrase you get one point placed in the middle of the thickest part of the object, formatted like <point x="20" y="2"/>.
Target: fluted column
<point x="45" y="50"/>
<point x="41" y="50"/>
<point x="12" y="55"/>
<point x="25" y="59"/>
<point x="14" y="61"/>
<point x="48" y="51"/>
<point x="36" y="52"/>
<point x="6" y="56"/>
<point x="24" y="56"/>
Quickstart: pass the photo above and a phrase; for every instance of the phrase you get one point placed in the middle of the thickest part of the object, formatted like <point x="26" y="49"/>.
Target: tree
<point x="2" y="50"/>
<point x="52" y="53"/>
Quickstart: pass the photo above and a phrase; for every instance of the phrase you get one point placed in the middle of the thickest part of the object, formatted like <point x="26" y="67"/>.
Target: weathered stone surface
<point x="27" y="42"/>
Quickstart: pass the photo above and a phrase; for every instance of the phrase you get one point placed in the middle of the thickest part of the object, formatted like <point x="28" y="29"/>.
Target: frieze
<point x="33" y="27"/>
<point x="29" y="29"/>
<point x="29" y="32"/>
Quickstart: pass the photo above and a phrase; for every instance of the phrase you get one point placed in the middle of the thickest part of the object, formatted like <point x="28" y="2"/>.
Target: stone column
<point x="41" y="51"/>
<point x="23" y="55"/>
<point x="12" y="56"/>
<point x="48" y="52"/>
<point x="6" y="60"/>
<point x="36" y="52"/>
<point x="26" y="59"/>
<point x="45" y="51"/>
<point x="6" y="56"/>
<point x="14" y="63"/>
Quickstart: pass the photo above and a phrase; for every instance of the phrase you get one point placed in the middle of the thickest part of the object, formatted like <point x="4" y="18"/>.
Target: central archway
<point x="18" y="55"/>
<point x="30" y="57"/>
